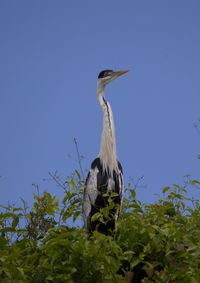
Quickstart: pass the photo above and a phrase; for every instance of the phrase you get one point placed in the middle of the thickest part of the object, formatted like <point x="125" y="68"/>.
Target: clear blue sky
<point x="50" y="55"/>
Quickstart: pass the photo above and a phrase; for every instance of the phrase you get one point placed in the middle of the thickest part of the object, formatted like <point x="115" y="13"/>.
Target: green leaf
<point x="133" y="193"/>
<point x="194" y="182"/>
<point x="96" y="216"/>
<point x="135" y="262"/>
<point x="15" y="222"/>
<point x="165" y="189"/>
<point x="78" y="174"/>
<point x="71" y="183"/>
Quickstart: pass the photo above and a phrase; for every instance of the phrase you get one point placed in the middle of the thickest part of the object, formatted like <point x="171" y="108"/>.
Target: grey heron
<point x="106" y="175"/>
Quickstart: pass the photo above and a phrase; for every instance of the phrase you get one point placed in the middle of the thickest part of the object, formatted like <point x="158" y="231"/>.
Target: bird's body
<point x="104" y="184"/>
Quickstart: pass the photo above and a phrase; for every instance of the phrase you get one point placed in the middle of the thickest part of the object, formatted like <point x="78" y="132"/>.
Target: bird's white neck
<point x="107" y="152"/>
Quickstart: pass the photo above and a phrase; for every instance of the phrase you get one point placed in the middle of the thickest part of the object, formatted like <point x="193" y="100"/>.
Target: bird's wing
<point x="121" y="185"/>
<point x="90" y="194"/>
<point x="120" y="182"/>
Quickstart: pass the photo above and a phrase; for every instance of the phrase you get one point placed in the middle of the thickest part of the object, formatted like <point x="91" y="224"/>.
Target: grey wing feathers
<point x="99" y="182"/>
<point x="90" y="195"/>
<point x="121" y="187"/>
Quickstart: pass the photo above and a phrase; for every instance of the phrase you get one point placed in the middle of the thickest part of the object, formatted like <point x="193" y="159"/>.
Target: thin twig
<point x="55" y="178"/>
<point x="137" y="182"/>
<point x="24" y="209"/>
<point x="79" y="157"/>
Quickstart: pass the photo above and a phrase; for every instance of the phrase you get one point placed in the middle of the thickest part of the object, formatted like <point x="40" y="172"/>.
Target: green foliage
<point x="156" y="242"/>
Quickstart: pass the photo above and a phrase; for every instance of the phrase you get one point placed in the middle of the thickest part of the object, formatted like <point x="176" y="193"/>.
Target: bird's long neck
<point x="107" y="152"/>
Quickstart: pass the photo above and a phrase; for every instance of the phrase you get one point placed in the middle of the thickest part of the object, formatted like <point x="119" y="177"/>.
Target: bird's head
<point x="107" y="76"/>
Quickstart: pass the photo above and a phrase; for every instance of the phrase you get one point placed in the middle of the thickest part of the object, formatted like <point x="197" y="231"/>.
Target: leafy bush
<point x="156" y="242"/>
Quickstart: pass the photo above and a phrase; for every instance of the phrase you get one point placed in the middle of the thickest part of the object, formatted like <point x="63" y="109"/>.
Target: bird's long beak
<point x="119" y="73"/>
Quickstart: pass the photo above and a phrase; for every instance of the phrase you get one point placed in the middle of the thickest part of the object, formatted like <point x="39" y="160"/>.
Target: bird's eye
<point x="108" y="74"/>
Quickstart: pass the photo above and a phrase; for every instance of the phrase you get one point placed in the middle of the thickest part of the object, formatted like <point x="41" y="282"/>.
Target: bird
<point x="104" y="185"/>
